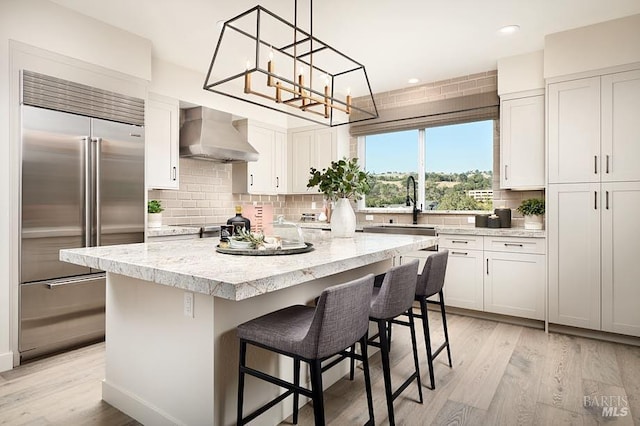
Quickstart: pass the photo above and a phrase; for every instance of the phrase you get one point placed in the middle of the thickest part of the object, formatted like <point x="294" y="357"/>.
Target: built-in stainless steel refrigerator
<point x="82" y="186"/>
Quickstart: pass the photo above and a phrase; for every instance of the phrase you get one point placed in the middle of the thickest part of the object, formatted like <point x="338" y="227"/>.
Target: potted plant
<point x="533" y="210"/>
<point x="339" y="182"/>
<point x="154" y="213"/>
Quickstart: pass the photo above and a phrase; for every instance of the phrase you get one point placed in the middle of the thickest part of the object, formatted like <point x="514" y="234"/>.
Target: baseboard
<point x="525" y="322"/>
<point x="135" y="407"/>
<point x="6" y="361"/>
<point x="595" y="334"/>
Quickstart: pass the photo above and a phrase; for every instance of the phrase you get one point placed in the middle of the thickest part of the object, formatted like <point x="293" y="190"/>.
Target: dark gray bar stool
<point x="430" y="283"/>
<point x="304" y="333"/>
<point x="393" y="298"/>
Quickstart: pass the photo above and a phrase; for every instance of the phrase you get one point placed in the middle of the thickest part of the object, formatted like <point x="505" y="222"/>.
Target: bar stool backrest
<point x="341" y="317"/>
<point x="397" y="291"/>
<point x="431" y="280"/>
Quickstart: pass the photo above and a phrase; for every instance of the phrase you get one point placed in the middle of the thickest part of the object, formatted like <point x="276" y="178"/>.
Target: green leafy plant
<point x="256" y="239"/>
<point x="154" y="206"/>
<point x="532" y="207"/>
<point x="343" y="179"/>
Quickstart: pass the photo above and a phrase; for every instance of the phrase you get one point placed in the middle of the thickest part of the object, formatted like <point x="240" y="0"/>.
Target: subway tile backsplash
<point x="205" y="187"/>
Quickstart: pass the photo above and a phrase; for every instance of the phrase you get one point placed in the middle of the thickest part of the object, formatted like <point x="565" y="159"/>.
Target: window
<point x="452" y="165"/>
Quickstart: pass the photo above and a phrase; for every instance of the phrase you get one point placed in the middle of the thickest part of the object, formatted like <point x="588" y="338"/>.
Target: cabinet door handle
<point x="277" y="182"/>
<point x="607" y="165"/>
<point x="606" y="199"/>
<point x="459" y="242"/>
<point x="513" y="245"/>
<point x="459" y="253"/>
<point x="506" y="174"/>
<point x="487" y="266"/>
<point x="175" y="173"/>
<point x="251" y="179"/>
<point x="595" y="164"/>
<point x="595" y="200"/>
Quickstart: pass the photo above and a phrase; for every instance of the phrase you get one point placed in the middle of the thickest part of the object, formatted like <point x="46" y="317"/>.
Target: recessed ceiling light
<point x="509" y="29"/>
<point x="414" y="80"/>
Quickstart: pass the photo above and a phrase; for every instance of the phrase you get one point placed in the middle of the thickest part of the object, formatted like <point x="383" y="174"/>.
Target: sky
<point x="455" y="148"/>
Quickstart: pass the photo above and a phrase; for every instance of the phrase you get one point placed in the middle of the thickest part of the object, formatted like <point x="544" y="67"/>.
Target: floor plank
<point x="512" y="403"/>
<point x="480" y="381"/>
<point x="599" y="362"/>
<point x="629" y="363"/>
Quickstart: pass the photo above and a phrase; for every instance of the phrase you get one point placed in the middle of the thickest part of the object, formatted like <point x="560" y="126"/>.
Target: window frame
<point x="421" y="201"/>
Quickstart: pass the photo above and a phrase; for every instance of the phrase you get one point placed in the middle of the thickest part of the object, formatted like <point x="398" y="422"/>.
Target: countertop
<point x="444" y="229"/>
<point x="195" y="265"/>
<point x="166" y="230"/>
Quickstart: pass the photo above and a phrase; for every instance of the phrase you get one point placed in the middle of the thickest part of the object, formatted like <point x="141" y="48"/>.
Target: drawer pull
<point x="459" y="242"/>
<point x="487" y="266"/>
<point x="513" y="245"/>
<point x="459" y="252"/>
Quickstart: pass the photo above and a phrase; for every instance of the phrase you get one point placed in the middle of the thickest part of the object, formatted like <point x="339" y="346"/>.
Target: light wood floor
<point x="502" y="375"/>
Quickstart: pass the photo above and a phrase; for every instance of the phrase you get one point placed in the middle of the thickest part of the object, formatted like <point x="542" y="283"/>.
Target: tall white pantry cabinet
<point x="594" y="201"/>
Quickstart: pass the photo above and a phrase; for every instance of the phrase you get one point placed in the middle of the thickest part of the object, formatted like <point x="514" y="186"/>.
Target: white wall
<point x="94" y="53"/>
<point x="603" y="45"/>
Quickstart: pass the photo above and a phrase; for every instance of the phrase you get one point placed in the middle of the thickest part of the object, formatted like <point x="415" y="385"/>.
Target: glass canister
<point x="289" y="233"/>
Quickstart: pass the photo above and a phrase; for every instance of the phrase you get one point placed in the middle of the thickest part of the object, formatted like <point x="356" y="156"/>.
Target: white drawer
<point x="463" y="242"/>
<point x="515" y="244"/>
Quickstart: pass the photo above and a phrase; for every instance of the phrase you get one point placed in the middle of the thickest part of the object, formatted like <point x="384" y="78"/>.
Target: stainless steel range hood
<point x="208" y="134"/>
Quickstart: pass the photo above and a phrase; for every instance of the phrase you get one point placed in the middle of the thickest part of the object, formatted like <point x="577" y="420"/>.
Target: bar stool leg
<point x="243" y="358"/>
<point x="296" y="394"/>
<point x="414" y="345"/>
<point x="316" y="391"/>
<point x="427" y="339"/>
<point x="352" y="362"/>
<point x="367" y="378"/>
<point x="386" y="369"/>
<point x="444" y="324"/>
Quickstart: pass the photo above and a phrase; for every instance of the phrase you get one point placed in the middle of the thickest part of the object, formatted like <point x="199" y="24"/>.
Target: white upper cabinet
<point x="621" y="126"/>
<point x="268" y="175"/>
<point x="522" y="143"/>
<point x="309" y="148"/>
<point x="162" y="127"/>
<point x="574" y="131"/>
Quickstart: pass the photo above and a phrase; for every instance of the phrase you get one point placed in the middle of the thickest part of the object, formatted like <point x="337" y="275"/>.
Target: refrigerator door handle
<point x="98" y="229"/>
<point x="61" y="282"/>
<point x="88" y="214"/>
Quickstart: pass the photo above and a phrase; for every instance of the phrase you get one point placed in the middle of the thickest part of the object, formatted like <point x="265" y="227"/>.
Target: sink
<point x="400" y="229"/>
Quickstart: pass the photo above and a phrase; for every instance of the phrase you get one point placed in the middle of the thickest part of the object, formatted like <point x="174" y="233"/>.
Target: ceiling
<point x="396" y="40"/>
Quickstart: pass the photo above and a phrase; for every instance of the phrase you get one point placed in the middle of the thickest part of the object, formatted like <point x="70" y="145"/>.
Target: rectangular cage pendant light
<point x="265" y="60"/>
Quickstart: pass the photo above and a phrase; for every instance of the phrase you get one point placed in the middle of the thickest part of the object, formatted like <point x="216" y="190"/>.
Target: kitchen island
<point x="172" y="309"/>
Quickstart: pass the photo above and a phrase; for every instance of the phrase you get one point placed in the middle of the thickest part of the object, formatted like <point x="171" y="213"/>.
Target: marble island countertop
<point x="195" y="265"/>
<point x="166" y="230"/>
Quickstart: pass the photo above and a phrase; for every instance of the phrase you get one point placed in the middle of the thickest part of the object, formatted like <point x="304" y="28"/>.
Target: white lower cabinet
<point x="514" y="284"/>
<point x="504" y="275"/>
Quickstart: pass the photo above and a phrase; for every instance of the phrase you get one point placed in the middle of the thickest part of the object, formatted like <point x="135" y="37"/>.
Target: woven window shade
<point x="463" y="109"/>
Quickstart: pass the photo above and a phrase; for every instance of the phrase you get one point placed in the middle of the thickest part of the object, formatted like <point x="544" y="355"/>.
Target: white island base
<point x="164" y="368"/>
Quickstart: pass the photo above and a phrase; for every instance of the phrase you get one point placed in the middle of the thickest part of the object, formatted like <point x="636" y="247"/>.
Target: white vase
<point x="154" y="220"/>
<point x="532" y="222"/>
<point x="343" y="219"/>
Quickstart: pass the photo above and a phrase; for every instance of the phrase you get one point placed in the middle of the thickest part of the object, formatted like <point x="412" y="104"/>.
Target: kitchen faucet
<point x="410" y="200"/>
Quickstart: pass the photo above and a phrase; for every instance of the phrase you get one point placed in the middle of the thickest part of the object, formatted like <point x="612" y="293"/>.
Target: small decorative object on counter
<point x="505" y="217"/>
<point x="239" y="221"/>
<point x="533" y="211"/>
<point x="226" y="231"/>
<point x="493" y="221"/>
<point x="482" y="220"/>
<point x="289" y="234"/>
<point x="154" y="214"/>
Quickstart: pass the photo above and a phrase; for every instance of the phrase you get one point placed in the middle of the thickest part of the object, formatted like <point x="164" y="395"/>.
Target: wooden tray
<point x="268" y="252"/>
